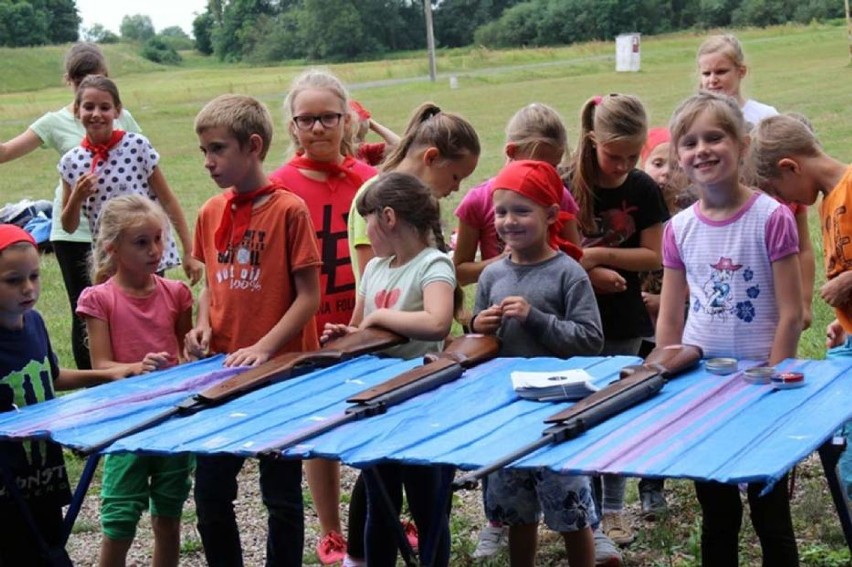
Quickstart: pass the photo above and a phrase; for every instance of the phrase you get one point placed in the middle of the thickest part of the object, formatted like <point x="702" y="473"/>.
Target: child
<point x="362" y="122"/>
<point x="535" y="132"/>
<point x="721" y="63"/>
<point x="61" y="131"/>
<point x="262" y="290"/>
<point x="621" y="215"/>
<point x="136" y="322"/>
<point x="404" y="226"/>
<point x="29" y="374"/>
<point x="440" y="149"/>
<point x="327" y="180"/>
<point x="540" y="302"/>
<point x="792" y="165"/>
<point x="724" y="249"/>
<point x="112" y="162"/>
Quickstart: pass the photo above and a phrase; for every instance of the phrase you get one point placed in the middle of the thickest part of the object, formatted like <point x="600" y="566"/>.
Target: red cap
<point x="363" y="113"/>
<point x="11" y="234"/>
<point x="656" y="136"/>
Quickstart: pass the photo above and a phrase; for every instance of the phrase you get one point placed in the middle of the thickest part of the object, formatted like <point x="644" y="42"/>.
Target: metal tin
<point x="760" y="375"/>
<point x="788" y="380"/>
<point x="721" y="366"/>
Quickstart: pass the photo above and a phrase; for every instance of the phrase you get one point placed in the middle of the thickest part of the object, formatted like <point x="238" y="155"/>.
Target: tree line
<point x="37" y="22"/>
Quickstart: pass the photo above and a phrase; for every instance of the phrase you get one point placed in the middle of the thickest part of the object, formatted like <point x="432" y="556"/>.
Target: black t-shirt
<point x="621" y="214"/>
<point x="28" y="368"/>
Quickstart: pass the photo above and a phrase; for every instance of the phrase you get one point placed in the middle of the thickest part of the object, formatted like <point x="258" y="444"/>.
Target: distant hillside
<point x="33" y="68"/>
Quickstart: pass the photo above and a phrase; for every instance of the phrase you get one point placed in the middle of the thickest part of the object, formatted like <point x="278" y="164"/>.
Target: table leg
<point x="829" y="454"/>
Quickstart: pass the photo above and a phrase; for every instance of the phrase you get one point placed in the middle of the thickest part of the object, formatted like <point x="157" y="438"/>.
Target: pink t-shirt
<point x="138" y="325"/>
<point x="477" y="210"/>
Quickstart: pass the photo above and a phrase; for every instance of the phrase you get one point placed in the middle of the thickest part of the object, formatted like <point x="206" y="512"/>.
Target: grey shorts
<point x="520" y="496"/>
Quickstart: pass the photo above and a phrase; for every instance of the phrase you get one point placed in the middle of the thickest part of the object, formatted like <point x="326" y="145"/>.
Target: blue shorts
<point x="520" y="496"/>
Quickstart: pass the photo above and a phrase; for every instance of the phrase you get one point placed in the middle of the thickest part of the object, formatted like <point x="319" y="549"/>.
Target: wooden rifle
<point x="438" y="369"/>
<point x="283" y="367"/>
<point x="636" y="384"/>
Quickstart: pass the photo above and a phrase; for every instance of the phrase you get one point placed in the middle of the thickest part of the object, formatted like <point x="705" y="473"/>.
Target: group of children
<point x="327" y="244"/>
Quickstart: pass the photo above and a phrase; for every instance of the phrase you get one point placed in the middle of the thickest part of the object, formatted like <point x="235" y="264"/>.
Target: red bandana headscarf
<point x="100" y="152"/>
<point x="301" y="161"/>
<point x="12" y="234"/>
<point x="539" y="182"/>
<point x="236" y="216"/>
<point x="656" y="136"/>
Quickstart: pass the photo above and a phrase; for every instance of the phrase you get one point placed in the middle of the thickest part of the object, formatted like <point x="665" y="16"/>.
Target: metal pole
<point x="849" y="29"/>
<point x="430" y="40"/>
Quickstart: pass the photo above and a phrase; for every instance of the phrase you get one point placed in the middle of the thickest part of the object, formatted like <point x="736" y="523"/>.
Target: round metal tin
<point x="759" y="375"/>
<point x="721" y="366"/>
<point x="788" y="380"/>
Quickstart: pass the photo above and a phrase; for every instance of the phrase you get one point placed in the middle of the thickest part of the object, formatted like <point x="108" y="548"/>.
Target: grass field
<point x="803" y="69"/>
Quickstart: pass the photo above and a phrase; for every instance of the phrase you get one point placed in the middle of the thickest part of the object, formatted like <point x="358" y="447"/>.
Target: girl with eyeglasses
<point x="324" y="174"/>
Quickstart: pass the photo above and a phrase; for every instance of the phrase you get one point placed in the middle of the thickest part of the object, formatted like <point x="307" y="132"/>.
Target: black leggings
<point x="73" y="262"/>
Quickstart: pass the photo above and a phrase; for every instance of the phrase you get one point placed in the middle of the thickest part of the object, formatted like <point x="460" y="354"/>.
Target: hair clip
<point x="597" y="100"/>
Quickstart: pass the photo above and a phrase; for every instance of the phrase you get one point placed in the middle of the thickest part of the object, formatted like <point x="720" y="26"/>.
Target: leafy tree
<point x="176" y="38"/>
<point x="137" y="28"/>
<point x="333" y="29"/>
<point x="202" y="29"/>
<point x="99" y="34"/>
<point x="23" y="25"/>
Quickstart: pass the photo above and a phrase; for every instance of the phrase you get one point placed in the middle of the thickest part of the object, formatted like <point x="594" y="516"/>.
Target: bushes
<point x="158" y="50"/>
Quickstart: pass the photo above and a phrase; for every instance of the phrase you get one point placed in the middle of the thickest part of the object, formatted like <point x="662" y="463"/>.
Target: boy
<point x="262" y="291"/>
<point x="540" y="302"/>
<point x="29" y="374"/>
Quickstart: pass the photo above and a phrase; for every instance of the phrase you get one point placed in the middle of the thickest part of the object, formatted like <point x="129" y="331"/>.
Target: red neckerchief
<point x="236" y="216"/>
<point x="100" y="152"/>
<point x="300" y="161"/>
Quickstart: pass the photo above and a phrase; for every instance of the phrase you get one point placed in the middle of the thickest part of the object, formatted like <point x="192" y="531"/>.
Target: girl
<point x="112" y="162"/>
<point x="721" y="64"/>
<point x="61" y="131"/>
<point x="535" y="132"/>
<point x="136" y="322"/>
<point x="621" y="212"/>
<point x="722" y="250"/>
<point x="404" y="226"/>
<point x="326" y="177"/>
<point x="362" y="122"/>
<point x="440" y="149"/>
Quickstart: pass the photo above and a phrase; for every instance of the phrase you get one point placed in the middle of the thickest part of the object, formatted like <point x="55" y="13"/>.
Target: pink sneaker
<point x="411" y="533"/>
<point x="331" y="548"/>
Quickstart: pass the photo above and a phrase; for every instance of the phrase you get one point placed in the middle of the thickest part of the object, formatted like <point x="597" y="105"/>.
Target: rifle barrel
<point x="135" y="428"/>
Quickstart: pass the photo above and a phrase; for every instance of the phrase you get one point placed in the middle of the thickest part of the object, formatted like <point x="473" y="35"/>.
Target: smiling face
<point x="720" y="74"/>
<point x="523" y="225"/>
<point x="19" y="283"/>
<point x="97" y="111"/>
<point x="709" y="154"/>
<point x="320" y="142"/>
<point x="140" y="247"/>
<point x="615" y="160"/>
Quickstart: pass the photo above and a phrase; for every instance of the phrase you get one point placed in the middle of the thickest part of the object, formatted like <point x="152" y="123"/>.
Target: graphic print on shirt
<point x="719" y="301"/>
<point x="240" y="266"/>
<point x="612" y="227"/>
<point x="387" y="299"/>
<point x="833" y="232"/>
<point x="29" y="385"/>
<point x="332" y="262"/>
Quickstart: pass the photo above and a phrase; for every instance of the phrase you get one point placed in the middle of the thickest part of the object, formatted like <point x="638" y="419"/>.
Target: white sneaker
<point x="492" y="540"/>
<point x="352" y="562"/>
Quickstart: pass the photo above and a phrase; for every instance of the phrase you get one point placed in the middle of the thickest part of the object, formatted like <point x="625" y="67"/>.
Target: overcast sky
<point x="164" y="13"/>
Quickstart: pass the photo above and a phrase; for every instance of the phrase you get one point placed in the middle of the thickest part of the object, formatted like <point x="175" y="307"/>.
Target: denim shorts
<point x="520" y="496"/>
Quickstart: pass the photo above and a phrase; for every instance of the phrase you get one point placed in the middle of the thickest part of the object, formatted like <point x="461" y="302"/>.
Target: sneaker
<point x="411" y="534"/>
<point x="492" y="540"/>
<point x="617" y="528"/>
<point x="653" y="504"/>
<point x="349" y="561"/>
<point x="331" y="548"/>
<point x="606" y="554"/>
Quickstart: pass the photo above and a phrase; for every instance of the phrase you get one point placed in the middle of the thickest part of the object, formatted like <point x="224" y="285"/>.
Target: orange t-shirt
<point x="250" y="286"/>
<point x="837" y="237"/>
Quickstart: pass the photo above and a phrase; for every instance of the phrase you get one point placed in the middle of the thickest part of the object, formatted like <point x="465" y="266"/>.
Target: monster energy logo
<point x="30" y="385"/>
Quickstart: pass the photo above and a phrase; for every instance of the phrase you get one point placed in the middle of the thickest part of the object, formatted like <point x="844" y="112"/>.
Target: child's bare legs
<point x="580" y="547"/>
<point x="523" y="545"/>
<point x="166" y="541"/>
<point x="323" y="478"/>
<point x="114" y="552"/>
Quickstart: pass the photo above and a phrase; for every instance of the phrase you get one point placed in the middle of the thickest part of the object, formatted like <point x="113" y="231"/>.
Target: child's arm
<point x="807" y="265"/>
<point x="197" y="340"/>
<point x="671" y="318"/>
<point x="183" y="326"/>
<point x="433" y="323"/>
<point x="19" y="146"/>
<point x="464" y="256"/>
<point x="390" y="137"/>
<point x="788" y="297"/>
<point x="192" y="267"/>
<point x="100" y="349"/>
<point x="334" y="330"/>
<point x="646" y="257"/>
<point x="72" y="200"/>
<point x="307" y="285"/>
<point x="71" y="379"/>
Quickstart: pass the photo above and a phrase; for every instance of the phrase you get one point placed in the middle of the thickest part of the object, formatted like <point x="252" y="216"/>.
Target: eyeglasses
<point x="307" y="121"/>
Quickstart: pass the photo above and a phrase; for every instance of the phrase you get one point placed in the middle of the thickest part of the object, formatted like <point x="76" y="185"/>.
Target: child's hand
<point x="488" y="320"/>
<point x="334" y="330"/>
<point x="652" y="303"/>
<point x="834" y="334"/>
<point x="591" y="258"/>
<point x="193" y="269"/>
<point x="835" y="291"/>
<point x="606" y="281"/>
<point x="85" y="187"/>
<point x="197" y="343"/>
<point x="515" y="307"/>
<point x="249" y="356"/>
<point x="154" y="361"/>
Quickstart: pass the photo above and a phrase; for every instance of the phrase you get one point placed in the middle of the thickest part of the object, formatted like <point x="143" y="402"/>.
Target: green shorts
<point x="133" y="482"/>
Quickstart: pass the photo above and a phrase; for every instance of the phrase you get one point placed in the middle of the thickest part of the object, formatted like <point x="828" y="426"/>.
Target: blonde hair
<point x="118" y="215"/>
<point x="606" y="119"/>
<point x="537" y="124"/>
<point x="725" y="44"/>
<point x="242" y="115"/>
<point x="322" y="80"/>
<point x="778" y="137"/>
<point x="452" y="135"/>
